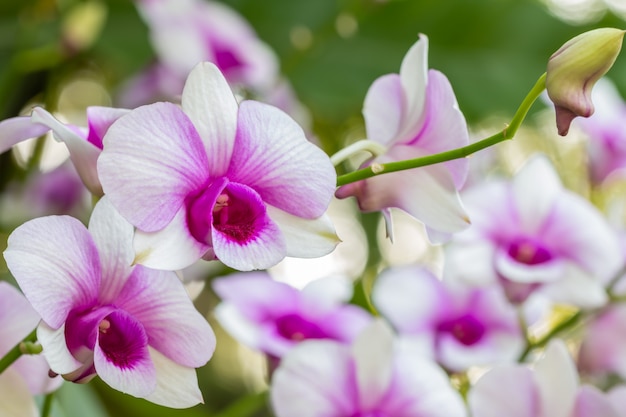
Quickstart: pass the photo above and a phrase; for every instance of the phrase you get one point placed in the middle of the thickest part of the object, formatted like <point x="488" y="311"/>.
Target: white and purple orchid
<point x="134" y="327"/>
<point x="273" y="317"/>
<point x="413" y="114"/>
<point x="549" y="389"/>
<point x="28" y="376"/>
<point x="373" y="377"/>
<point x="456" y="325"/>
<point x="83" y="144"/>
<point x="218" y="180"/>
<point x="535" y="238"/>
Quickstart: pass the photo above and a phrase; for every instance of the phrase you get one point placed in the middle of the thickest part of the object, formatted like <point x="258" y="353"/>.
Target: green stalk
<point x="47" y="405"/>
<point x="16" y="352"/>
<point x="506" y="133"/>
<point x="560" y="327"/>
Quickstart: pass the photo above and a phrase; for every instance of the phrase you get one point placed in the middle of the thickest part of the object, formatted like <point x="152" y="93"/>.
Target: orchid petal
<point x="15" y="398"/>
<point x="591" y="402"/>
<point x="171" y="248"/>
<point x="158" y="300"/>
<point x="54" y="285"/>
<point x="305" y="238"/>
<point x="99" y="120"/>
<point x="524" y="273"/>
<point x="325" y="293"/>
<point x="132" y="372"/>
<point x="506" y="390"/>
<point x="212" y="108"/>
<point x="83" y="154"/>
<point x="314" y="380"/>
<point x="577" y="287"/>
<point x="557" y="380"/>
<point x="373" y="352"/>
<point x="241" y="327"/>
<point x="158" y="147"/>
<point x="177" y="385"/>
<point x="471" y="263"/>
<point x="113" y="236"/>
<point x="18" y="129"/>
<point x="275" y="159"/>
<point x="55" y="349"/>
<point x="17" y="317"/>
<point x="383" y="109"/>
<point x="414" y="76"/>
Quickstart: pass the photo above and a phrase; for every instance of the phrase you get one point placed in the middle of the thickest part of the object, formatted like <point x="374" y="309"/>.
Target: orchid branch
<point x="507" y="133"/>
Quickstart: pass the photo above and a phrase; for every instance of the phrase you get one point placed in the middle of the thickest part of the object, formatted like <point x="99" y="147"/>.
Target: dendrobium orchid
<point x="456" y="325"/>
<point x="134" y="327"/>
<point x="535" y="237"/>
<point x="549" y="389"/>
<point x="373" y="377"/>
<point x="273" y="317"/>
<point x="28" y="376"/>
<point x="409" y="115"/>
<point x="83" y="144"/>
<point x="218" y="180"/>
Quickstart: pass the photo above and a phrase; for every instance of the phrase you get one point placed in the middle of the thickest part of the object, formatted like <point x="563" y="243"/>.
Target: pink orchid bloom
<point x="83" y="144"/>
<point x="549" y="389"/>
<point x="273" y="317"/>
<point x="186" y="32"/>
<point x="535" y="238"/>
<point x="458" y="326"/>
<point x="28" y="376"/>
<point x="413" y="114"/>
<point x="134" y="327"/>
<point x="606" y="145"/>
<point x="603" y="349"/>
<point x="218" y="180"/>
<point x="373" y="377"/>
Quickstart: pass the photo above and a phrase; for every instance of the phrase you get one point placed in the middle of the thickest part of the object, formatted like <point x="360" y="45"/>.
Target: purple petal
<point x="314" y="380"/>
<point x="177" y="385"/>
<point x="384" y="109"/>
<point x="18" y="129"/>
<point x="99" y="120"/>
<point x="273" y="157"/>
<point x="121" y="356"/>
<point x="152" y="159"/>
<point x="158" y="300"/>
<point x="17" y="317"/>
<point x="83" y="154"/>
<point x="113" y="236"/>
<point x="591" y="402"/>
<point x="506" y="390"/>
<point x="171" y="248"/>
<point x="305" y="238"/>
<point x="414" y="76"/>
<point x="56" y="264"/>
<point x="244" y="237"/>
<point x="212" y="108"/>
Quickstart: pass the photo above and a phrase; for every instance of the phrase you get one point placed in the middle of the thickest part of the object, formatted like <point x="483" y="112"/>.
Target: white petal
<point x="15" y="399"/>
<point x="505" y="390"/>
<point x="557" y="380"/>
<point x="55" y="349"/>
<point x="414" y="76"/>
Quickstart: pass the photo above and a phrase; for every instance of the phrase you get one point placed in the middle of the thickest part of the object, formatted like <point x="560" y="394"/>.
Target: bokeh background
<point x="78" y="53"/>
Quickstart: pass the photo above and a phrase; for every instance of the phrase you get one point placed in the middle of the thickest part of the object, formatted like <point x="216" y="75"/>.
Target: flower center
<point x="297" y="328"/>
<point x="374" y="413"/>
<point x="466" y="329"/>
<point x="529" y="252"/>
<point x="122" y="339"/>
<point x="226" y="60"/>
<point x="230" y="208"/>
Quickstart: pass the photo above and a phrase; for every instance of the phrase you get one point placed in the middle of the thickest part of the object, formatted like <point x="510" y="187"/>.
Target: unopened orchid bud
<point x="574" y="69"/>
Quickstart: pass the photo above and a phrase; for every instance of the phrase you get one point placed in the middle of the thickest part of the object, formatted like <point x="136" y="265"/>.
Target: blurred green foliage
<point x="491" y="50"/>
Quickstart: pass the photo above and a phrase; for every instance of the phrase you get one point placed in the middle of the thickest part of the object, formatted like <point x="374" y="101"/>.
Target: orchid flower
<point x="28" y="376"/>
<point x="372" y="377"/>
<point x="83" y="144"/>
<point x="603" y="346"/>
<point x="134" y="327"/>
<point x="273" y="317"/>
<point x="409" y="115"/>
<point x="458" y="326"/>
<point x="535" y="238"/>
<point x="549" y="389"/>
<point x="186" y="32"/>
<point x="218" y="180"/>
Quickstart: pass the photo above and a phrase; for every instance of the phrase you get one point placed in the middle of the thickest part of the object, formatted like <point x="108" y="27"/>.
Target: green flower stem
<point x="17" y="351"/>
<point x="507" y="133"/>
<point x="47" y="405"/>
<point x="566" y="324"/>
